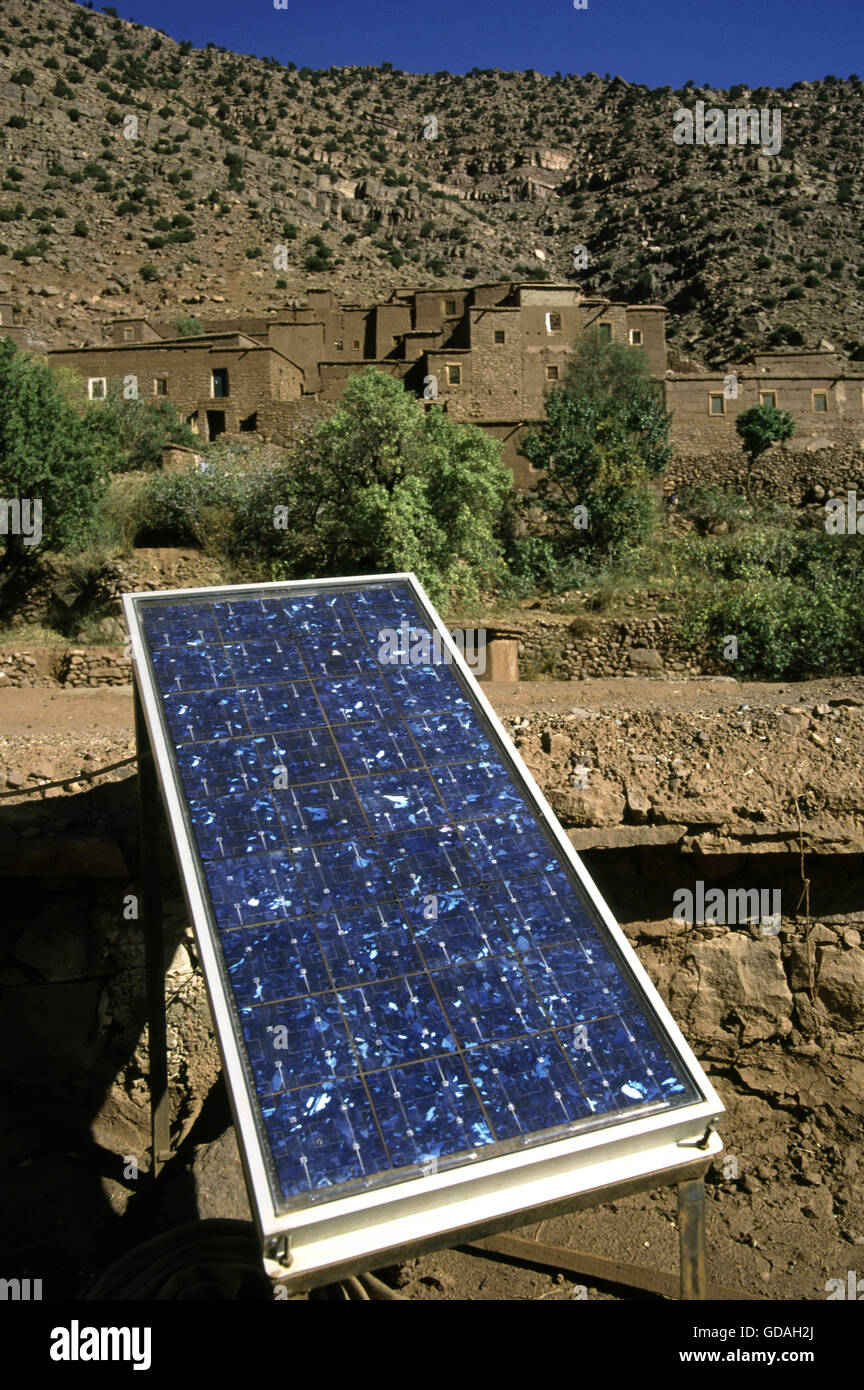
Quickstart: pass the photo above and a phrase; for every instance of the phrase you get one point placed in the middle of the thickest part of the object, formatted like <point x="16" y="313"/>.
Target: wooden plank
<point x="595" y="1267"/>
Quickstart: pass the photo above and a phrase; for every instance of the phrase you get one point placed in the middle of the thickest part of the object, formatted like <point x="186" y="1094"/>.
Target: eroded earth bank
<point x="661" y="786"/>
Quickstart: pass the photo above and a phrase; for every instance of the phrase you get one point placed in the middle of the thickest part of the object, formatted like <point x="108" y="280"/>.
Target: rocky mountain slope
<point x="137" y="172"/>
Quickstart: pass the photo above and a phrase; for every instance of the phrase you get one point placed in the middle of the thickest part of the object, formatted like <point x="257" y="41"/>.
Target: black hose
<point x="213" y="1259"/>
<point x="217" y="1259"/>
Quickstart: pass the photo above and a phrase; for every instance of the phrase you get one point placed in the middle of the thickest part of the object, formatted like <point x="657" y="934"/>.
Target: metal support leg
<point x="151" y="915"/>
<point x="691" y="1236"/>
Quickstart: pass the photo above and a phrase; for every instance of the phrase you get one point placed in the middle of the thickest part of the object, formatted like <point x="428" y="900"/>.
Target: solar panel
<point x="415" y="984"/>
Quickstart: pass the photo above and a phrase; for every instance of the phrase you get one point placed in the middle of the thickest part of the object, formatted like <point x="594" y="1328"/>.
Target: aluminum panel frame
<point x="304" y="1245"/>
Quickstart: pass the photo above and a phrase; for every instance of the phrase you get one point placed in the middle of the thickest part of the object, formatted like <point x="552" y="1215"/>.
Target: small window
<point x="717" y="404"/>
<point x="160" y="386"/>
<point x="820" y="402"/>
<point x="553" y="323"/>
<point x="128" y="335"/>
<point x="339" y="345"/>
<point x="450" y="308"/>
<point x="604" y="332"/>
<point x="552" y="373"/>
<point x="220" y="381"/>
<point x="768" y="398"/>
<point x="96" y="388"/>
<point x="356" y="345"/>
<point x="500" y="335"/>
<point x="454" y="374"/>
<point x="636" y="337"/>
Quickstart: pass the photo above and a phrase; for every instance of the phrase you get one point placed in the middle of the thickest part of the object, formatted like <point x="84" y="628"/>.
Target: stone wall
<point x="65" y="666"/>
<point x="549" y="647"/>
<point x="72" y="1025"/>
<point x="606" y="647"/>
<point x="780" y="474"/>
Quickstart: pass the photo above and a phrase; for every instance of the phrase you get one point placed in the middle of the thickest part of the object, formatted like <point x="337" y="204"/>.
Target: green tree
<point x="132" y="433"/>
<point x="605" y="436"/>
<point x="388" y="486"/>
<point x="46" y="453"/>
<point x="758" y="428"/>
<point x="187" y="327"/>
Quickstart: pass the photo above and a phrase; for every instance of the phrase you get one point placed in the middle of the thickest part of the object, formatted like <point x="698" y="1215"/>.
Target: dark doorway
<point x="215" y="423"/>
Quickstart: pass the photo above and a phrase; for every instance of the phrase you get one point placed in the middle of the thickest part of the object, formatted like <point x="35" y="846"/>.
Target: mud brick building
<point x="823" y="390"/>
<point x="486" y="353"/>
<point x="11" y="326"/>
<point x="218" y="381"/>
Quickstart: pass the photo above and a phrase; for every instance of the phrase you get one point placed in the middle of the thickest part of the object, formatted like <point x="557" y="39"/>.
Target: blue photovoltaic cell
<point x="417" y="977"/>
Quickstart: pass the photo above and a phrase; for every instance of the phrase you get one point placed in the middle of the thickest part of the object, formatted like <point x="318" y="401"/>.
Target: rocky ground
<point x="143" y="175"/>
<point x="659" y="784"/>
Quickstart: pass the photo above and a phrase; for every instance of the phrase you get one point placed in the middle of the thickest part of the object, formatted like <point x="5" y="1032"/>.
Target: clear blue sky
<point x="658" y="42"/>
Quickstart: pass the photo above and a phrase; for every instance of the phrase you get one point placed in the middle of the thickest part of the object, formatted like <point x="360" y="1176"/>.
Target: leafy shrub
<point x="785" y="629"/>
<point x="711" y="507"/>
<point x="376" y="485"/>
<point x="45" y="453"/>
<point x="187" y="327"/>
<point x="132" y="433"/>
<point x="605" y="436"/>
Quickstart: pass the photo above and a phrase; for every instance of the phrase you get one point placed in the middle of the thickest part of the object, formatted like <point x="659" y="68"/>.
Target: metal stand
<point x="691" y="1237"/>
<point x="691" y="1281"/>
<point x="151" y="915"/>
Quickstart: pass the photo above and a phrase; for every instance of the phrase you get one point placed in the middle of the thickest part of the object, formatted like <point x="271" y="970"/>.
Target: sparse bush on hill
<point x="187" y="327"/>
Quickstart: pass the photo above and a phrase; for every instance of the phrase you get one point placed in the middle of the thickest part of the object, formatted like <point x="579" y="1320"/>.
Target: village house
<point x="823" y="390"/>
<point x="10" y="325"/>
<point x="485" y="353"/>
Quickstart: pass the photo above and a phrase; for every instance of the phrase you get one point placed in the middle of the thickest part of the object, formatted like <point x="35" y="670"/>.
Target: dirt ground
<point x="44" y="711"/>
<point x="787" y="1215"/>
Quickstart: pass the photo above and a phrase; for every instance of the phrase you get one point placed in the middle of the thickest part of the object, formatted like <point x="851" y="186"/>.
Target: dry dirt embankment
<point x="680" y="782"/>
